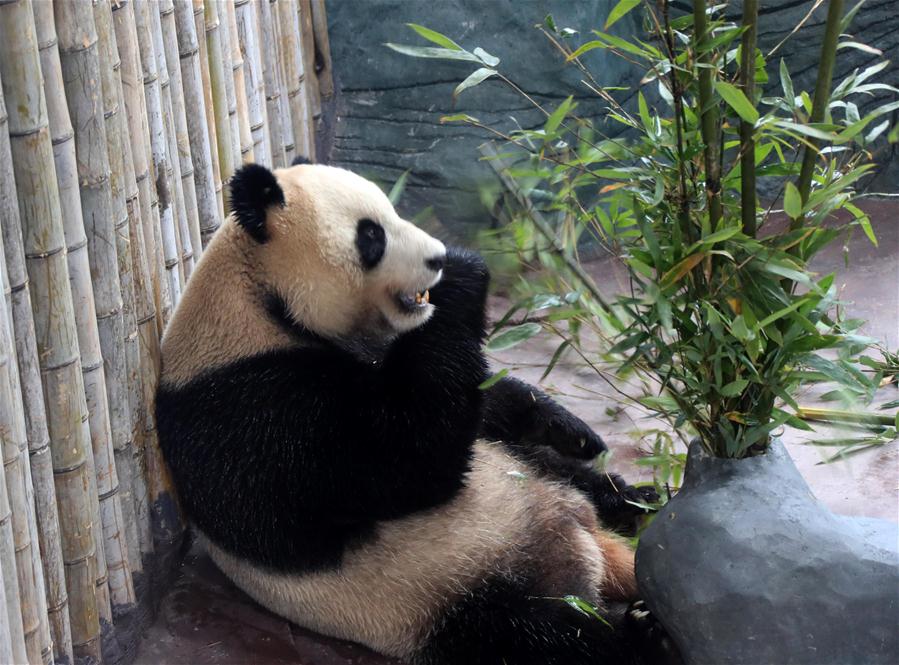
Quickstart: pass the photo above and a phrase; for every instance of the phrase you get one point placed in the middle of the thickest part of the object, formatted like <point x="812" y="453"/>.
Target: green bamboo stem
<point x="821" y="100"/>
<point x="747" y="129"/>
<point x="152" y="297"/>
<point x="124" y="410"/>
<point x="53" y="597"/>
<point x="44" y="243"/>
<point x="192" y="240"/>
<point x="271" y="73"/>
<point x="709" y="114"/>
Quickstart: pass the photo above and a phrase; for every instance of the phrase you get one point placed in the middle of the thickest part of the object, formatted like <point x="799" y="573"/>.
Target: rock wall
<point x="385" y="119"/>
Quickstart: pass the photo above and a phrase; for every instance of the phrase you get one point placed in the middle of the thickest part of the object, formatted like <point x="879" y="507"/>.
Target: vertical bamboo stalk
<point x="240" y="86"/>
<point x="182" y="226"/>
<point x="159" y="148"/>
<point x="230" y="92"/>
<point x="78" y="47"/>
<point x="708" y="107"/>
<point x="200" y="31"/>
<point x="307" y="45"/>
<point x="54" y="317"/>
<point x="747" y="130"/>
<point x="248" y="38"/>
<point x="17" y="462"/>
<point x="23" y="614"/>
<point x="291" y="57"/>
<point x="181" y="125"/>
<point x="124" y="416"/>
<point x="290" y="142"/>
<point x="272" y="83"/>
<point x="95" y="409"/>
<point x="201" y="149"/>
<point x="217" y="83"/>
<point x="131" y="74"/>
<point x="51" y="586"/>
<point x="322" y="49"/>
<point x="6" y="651"/>
<point x="152" y="297"/>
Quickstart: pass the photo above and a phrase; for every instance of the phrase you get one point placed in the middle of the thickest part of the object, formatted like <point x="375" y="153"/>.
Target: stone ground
<point x="204" y="620"/>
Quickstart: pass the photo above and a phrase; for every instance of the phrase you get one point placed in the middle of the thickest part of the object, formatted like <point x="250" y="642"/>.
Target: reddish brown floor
<point x="205" y="620"/>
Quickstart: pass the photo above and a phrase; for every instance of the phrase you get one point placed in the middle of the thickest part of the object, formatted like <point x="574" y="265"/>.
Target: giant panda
<point x="319" y="409"/>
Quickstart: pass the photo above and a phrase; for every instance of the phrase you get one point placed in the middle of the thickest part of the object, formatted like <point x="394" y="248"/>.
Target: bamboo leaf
<point x="396" y="192"/>
<point x="493" y="380"/>
<point x="557" y="116"/>
<point x="584" y="48"/>
<point x="432" y="52"/>
<point x="734" y="388"/>
<point x="486" y="58"/>
<point x="513" y="336"/>
<point x="681" y="268"/>
<point x="476" y="77"/>
<point x="737" y="101"/>
<point x="435" y="37"/>
<point x="792" y="201"/>
<point x="619" y="11"/>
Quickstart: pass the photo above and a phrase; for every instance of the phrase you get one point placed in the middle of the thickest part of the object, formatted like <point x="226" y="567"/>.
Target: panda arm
<point x="520" y="414"/>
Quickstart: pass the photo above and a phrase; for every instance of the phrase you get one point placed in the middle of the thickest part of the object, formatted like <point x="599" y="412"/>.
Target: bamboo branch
<point x="821" y="100"/>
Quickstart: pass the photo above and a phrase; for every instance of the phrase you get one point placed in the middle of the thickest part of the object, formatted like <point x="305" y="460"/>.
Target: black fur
<point x="503" y="623"/>
<point x="371" y="241"/>
<point x="254" y="189"/>
<point x="289" y="458"/>
<point x="300" y="159"/>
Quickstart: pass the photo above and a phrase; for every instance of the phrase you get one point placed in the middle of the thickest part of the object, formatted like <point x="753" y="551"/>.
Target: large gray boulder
<point x="744" y="565"/>
<point x="385" y="119"/>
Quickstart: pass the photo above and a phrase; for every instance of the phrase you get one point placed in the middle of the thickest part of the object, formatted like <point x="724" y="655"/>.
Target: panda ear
<point x="254" y="189"/>
<point x="300" y="159"/>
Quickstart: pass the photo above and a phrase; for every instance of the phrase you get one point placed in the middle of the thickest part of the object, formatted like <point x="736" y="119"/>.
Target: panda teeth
<point x="427" y="296"/>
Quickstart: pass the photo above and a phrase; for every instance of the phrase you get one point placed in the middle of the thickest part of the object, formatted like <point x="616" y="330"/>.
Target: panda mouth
<point x="412" y="303"/>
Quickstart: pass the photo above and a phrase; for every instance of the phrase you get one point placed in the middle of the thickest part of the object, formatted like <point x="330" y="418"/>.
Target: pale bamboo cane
<point x="57" y="339"/>
<point x="307" y="44"/>
<point x="182" y="225"/>
<point x="96" y="422"/>
<point x="78" y="47"/>
<point x="230" y="94"/>
<point x="6" y="652"/>
<point x="203" y="57"/>
<point x="272" y="83"/>
<point x="52" y="584"/>
<point x="23" y="620"/>
<point x="294" y="77"/>
<point x="198" y="133"/>
<point x="152" y="297"/>
<point x="159" y="148"/>
<point x="124" y="415"/>
<point x="248" y="38"/>
<point x="240" y="86"/>
<point x="217" y="86"/>
<point x="290" y="140"/>
<point x="182" y="131"/>
<point x="322" y="49"/>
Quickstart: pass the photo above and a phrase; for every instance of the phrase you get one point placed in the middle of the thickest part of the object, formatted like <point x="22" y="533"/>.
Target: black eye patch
<point x="371" y="242"/>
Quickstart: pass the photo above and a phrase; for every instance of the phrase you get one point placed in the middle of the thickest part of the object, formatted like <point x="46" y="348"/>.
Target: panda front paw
<point x="621" y="506"/>
<point x="649" y="636"/>
<point x="565" y="433"/>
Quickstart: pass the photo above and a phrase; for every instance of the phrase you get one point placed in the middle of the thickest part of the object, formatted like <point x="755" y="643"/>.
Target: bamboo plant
<point x="272" y="78"/>
<point x="248" y="37"/>
<point x="291" y="57"/>
<point x="240" y="88"/>
<point x="217" y="83"/>
<point x="722" y="318"/>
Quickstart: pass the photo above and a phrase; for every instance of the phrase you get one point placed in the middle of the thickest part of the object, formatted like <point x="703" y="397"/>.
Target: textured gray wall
<point x="386" y="115"/>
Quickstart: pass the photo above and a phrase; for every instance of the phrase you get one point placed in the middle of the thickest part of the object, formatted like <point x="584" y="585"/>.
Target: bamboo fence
<point x="121" y="122"/>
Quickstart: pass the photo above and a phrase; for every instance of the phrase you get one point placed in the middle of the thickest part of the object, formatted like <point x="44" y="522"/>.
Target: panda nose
<point x="436" y="263"/>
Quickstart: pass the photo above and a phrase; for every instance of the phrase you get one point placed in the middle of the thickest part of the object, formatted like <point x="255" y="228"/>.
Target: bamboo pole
<point x="95" y="409"/>
<point x="6" y="652"/>
<point x="272" y="80"/>
<point x="307" y="45"/>
<point x="19" y="593"/>
<point x="201" y="149"/>
<point x="747" y="129"/>
<point x="248" y="38"/>
<point x="17" y="461"/>
<point x="217" y="83"/>
<point x="322" y="49"/>
<point x="54" y="317"/>
<point x="160" y="151"/>
<point x="123" y="188"/>
<point x="230" y="91"/>
<point x="78" y="48"/>
<point x="240" y="89"/>
<point x="152" y="297"/>
<point x="182" y="225"/>
<point x="52" y="595"/>
<point x="708" y="107"/>
<point x="131" y="74"/>
<point x="291" y="57"/>
<point x="181" y="126"/>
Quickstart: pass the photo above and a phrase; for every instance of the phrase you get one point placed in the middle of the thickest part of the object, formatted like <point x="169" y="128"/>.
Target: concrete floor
<point x="204" y="620"/>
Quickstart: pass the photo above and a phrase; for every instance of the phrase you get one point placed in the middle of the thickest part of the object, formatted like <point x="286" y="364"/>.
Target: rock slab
<point x="744" y="565"/>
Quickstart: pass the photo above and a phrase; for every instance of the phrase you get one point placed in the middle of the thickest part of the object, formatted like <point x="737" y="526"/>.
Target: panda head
<point x="329" y="245"/>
